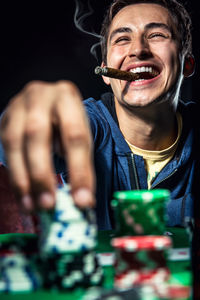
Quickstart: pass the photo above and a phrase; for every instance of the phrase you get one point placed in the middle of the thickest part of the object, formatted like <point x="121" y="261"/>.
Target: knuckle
<point x="80" y="179"/>
<point x="38" y="178"/>
<point x="67" y="86"/>
<point x="36" y="124"/>
<point x="38" y="174"/>
<point x="9" y="114"/>
<point x="83" y="175"/>
<point x="78" y="137"/>
<point x="36" y="94"/>
<point x="11" y="139"/>
<point x="34" y="86"/>
<point x="21" y="186"/>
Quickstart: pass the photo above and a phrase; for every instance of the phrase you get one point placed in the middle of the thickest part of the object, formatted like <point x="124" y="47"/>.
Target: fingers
<point x="37" y="147"/>
<point x="12" y="126"/>
<point x="77" y="145"/>
<point x="38" y="101"/>
<point x="26" y="133"/>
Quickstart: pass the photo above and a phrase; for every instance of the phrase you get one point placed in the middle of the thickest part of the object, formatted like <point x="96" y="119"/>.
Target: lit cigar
<point x="118" y="74"/>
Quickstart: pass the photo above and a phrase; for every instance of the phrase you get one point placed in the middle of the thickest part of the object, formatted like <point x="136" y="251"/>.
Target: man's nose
<point x="139" y="48"/>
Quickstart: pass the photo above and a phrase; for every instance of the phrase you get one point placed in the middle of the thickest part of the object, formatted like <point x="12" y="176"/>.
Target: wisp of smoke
<point x="79" y="18"/>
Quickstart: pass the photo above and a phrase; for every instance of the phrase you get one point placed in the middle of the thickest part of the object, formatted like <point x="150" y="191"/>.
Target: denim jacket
<point x="117" y="168"/>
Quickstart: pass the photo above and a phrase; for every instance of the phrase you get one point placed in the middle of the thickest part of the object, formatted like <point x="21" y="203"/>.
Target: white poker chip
<point x="66" y="229"/>
<point x="17" y="274"/>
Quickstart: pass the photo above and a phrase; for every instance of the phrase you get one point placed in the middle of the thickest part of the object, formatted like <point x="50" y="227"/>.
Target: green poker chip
<point x="181" y="278"/>
<point x="140" y="212"/>
<point x="142" y="195"/>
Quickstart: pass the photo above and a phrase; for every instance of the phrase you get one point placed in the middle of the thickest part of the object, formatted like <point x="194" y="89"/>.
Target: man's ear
<point x="189" y="66"/>
<point x="105" y="79"/>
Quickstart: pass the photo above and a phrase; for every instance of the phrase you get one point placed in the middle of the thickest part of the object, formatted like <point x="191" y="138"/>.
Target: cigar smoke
<point x="79" y="20"/>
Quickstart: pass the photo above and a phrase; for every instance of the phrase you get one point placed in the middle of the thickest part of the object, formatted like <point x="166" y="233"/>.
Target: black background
<point x="38" y="41"/>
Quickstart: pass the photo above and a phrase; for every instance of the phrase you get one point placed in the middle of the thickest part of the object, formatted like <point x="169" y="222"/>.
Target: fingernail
<point x="27" y="203"/>
<point x="83" y="197"/>
<point x="46" y="200"/>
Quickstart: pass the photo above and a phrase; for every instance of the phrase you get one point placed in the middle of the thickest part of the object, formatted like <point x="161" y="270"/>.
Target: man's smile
<point x="146" y="74"/>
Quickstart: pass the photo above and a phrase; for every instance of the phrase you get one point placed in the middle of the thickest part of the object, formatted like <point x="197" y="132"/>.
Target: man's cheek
<point x="116" y="57"/>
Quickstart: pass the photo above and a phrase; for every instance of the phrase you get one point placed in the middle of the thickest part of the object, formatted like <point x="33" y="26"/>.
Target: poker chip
<point x="63" y="255"/>
<point x="67" y="228"/>
<point x="149" y="277"/>
<point x="179" y="292"/>
<point x="71" y="270"/>
<point x="67" y="242"/>
<point x="73" y="237"/>
<point x="97" y="293"/>
<point x="141" y="260"/>
<point x="17" y="274"/>
<point x="140" y="212"/>
<point x="135" y="243"/>
<point x="142" y="195"/>
<point x="18" y="269"/>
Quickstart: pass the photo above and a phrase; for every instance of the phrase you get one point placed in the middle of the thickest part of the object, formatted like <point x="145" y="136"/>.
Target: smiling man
<point x="140" y="136"/>
<point x="144" y="39"/>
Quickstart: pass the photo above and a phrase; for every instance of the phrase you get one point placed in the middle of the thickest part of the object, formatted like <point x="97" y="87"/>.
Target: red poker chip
<point x="179" y="291"/>
<point x="157" y="277"/>
<point x="134" y="243"/>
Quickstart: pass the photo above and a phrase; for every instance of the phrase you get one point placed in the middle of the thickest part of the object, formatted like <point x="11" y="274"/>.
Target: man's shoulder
<point x="104" y="108"/>
<point x="105" y="99"/>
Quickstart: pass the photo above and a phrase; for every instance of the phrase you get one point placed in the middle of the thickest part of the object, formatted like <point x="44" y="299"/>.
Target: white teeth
<point x="142" y="70"/>
<point x="138" y="70"/>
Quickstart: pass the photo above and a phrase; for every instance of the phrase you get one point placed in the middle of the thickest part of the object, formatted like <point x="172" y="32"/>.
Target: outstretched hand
<point x="27" y="135"/>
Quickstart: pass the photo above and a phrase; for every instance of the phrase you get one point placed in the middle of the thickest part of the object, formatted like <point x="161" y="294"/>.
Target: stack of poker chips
<point x="141" y="247"/>
<point x="141" y="260"/>
<point x="67" y="244"/>
<point x="18" y="271"/>
<point x="140" y="212"/>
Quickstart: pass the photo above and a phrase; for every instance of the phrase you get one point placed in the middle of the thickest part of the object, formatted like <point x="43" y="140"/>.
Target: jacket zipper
<point x="135" y="172"/>
<point x="136" y="175"/>
<point x="164" y="179"/>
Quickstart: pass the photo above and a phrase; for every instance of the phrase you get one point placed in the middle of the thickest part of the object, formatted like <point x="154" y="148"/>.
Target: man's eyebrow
<point x="119" y="30"/>
<point x="158" y="25"/>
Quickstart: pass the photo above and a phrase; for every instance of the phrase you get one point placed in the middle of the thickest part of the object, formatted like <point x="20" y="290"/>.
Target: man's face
<point x="141" y="39"/>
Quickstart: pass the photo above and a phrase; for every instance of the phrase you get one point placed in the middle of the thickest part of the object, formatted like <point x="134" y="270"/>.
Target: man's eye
<point x="121" y="39"/>
<point x="158" y="35"/>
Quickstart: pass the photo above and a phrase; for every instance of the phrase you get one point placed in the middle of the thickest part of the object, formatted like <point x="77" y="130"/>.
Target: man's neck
<point x="148" y="128"/>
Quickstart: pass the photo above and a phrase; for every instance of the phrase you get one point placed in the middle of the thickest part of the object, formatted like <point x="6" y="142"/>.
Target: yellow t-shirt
<point x="156" y="160"/>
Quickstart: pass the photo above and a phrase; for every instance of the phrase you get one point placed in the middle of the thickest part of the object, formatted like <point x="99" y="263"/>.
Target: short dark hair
<point x="179" y="14"/>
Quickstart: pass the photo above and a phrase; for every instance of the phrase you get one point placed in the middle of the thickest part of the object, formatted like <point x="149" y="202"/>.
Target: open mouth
<point x="145" y="73"/>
